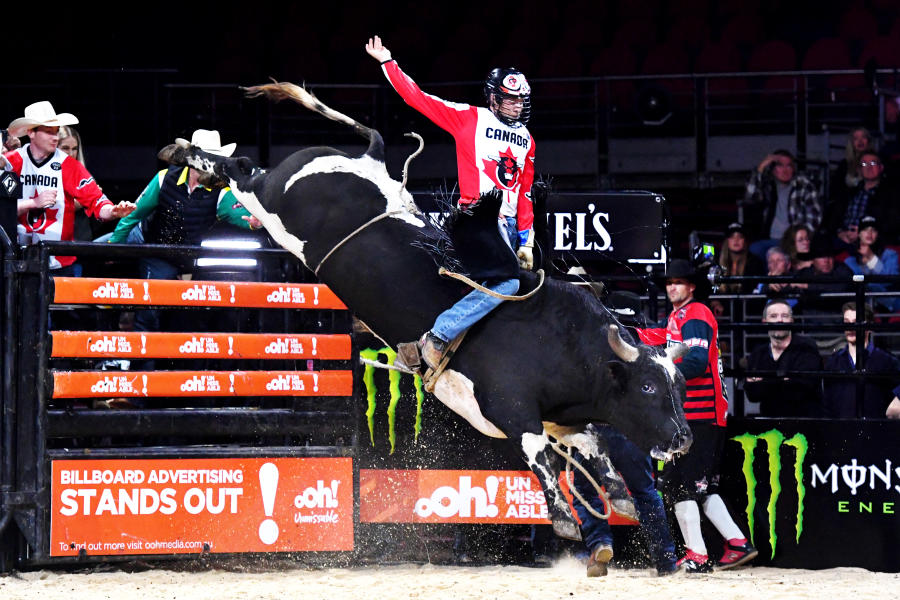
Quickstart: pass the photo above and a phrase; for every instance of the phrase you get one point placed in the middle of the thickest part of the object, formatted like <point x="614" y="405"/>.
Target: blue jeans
<point x="152" y="268"/>
<point x="476" y="304"/>
<point x="636" y="469"/>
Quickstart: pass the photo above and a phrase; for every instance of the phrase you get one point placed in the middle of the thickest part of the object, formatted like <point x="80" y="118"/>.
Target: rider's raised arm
<point x="452" y="117"/>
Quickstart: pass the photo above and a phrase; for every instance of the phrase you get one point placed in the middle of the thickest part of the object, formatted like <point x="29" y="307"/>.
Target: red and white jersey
<point x="72" y="183"/>
<point x="489" y="153"/>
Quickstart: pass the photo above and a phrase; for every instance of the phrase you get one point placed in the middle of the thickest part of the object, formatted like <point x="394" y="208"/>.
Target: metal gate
<point x="228" y="432"/>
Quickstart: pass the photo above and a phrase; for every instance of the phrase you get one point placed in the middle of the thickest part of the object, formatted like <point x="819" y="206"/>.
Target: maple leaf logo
<point x="503" y="170"/>
<point x="39" y="219"/>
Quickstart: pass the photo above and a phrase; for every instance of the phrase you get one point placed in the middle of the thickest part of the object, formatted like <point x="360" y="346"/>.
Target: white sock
<point x="716" y="511"/>
<point x="688" y="515"/>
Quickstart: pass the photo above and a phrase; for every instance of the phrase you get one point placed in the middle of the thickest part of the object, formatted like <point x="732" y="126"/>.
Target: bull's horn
<point x="676" y="351"/>
<point x="623" y="349"/>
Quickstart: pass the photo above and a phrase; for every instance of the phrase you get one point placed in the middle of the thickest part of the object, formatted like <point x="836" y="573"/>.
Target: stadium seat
<point x="827" y="53"/>
<point x="744" y="29"/>
<point x="830" y="54"/>
<point x="638" y="34"/>
<point x="668" y="59"/>
<point x="857" y="25"/>
<point x="563" y="60"/>
<point x="884" y="49"/>
<point x="688" y="31"/>
<point x="774" y="55"/>
<point x="722" y="57"/>
<point x="615" y="60"/>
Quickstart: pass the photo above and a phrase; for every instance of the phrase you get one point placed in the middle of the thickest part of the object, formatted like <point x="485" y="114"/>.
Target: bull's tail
<point x="278" y="91"/>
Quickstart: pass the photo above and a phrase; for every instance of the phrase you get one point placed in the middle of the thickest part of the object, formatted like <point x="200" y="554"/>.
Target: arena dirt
<point x="564" y="580"/>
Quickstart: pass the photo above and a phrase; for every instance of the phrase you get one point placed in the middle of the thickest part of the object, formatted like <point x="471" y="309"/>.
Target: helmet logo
<point x="513" y="84"/>
<point x="503" y="170"/>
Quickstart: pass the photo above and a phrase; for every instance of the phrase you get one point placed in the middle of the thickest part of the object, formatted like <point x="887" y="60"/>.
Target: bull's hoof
<point x="567" y="530"/>
<point x="173" y="154"/>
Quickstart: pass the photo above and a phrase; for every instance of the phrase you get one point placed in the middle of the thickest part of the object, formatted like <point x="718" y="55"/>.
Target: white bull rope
<point x="474" y="284"/>
<point x="410" y="206"/>
<point x="557" y="447"/>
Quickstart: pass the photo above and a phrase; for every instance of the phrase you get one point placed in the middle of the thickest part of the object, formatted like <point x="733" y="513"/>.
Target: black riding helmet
<point x="508" y="83"/>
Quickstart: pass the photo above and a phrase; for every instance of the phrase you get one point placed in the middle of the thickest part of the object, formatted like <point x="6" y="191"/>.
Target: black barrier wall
<point x="817" y="494"/>
<point x="814" y="493"/>
<point x="248" y="408"/>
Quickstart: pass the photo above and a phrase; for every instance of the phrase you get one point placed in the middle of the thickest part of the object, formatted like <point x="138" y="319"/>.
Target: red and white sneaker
<point x="737" y="552"/>
<point x="692" y="562"/>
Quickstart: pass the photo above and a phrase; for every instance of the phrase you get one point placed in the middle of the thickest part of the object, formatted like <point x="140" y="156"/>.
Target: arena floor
<point x="564" y="580"/>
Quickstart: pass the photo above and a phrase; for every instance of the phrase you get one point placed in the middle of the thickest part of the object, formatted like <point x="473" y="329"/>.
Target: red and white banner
<point x="436" y="496"/>
<point x="180" y="506"/>
<point x="165" y="292"/>
<point x="143" y="344"/>
<point x="201" y="384"/>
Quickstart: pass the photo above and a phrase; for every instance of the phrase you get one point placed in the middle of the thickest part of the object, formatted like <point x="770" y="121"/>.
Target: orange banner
<point x="164" y="292"/>
<point x="106" y="384"/>
<point x="187" y="506"/>
<point x="136" y="344"/>
<point x="435" y="496"/>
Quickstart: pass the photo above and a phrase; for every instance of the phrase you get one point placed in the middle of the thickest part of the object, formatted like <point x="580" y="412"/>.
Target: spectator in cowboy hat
<point x="177" y="207"/>
<point x="53" y="183"/>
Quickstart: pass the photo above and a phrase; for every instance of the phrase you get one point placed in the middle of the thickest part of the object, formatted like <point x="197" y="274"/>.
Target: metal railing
<point x="703" y="114"/>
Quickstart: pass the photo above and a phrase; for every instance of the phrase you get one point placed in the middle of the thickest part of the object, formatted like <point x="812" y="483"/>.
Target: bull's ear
<point x="174" y="155"/>
<point x="618" y="374"/>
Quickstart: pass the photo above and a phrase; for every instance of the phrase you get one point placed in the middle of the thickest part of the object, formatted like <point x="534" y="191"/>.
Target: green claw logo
<point x="394" y="390"/>
<point x="774" y="440"/>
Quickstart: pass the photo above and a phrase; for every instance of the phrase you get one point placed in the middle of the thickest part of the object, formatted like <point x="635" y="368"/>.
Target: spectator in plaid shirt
<point x="784" y="198"/>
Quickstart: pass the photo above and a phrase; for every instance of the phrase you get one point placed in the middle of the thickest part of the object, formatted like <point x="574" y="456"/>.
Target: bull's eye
<point x="648" y="388"/>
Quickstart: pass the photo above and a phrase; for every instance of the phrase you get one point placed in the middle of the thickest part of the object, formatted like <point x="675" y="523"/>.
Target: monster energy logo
<point x="774" y="440"/>
<point x="394" y="390"/>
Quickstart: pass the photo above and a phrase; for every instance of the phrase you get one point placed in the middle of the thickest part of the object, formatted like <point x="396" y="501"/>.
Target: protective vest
<point x="181" y="218"/>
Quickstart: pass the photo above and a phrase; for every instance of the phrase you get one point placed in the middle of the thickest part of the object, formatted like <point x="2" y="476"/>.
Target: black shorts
<point x="696" y="474"/>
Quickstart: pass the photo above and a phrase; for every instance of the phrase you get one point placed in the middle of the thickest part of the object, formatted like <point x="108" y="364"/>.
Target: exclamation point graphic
<point x="316" y="295"/>
<point x="144" y="379"/>
<point x="230" y="345"/>
<point x="315" y="382"/>
<point x="146" y="291"/>
<point x="268" y="485"/>
<point x="492" y="483"/>
<point x="314" y="346"/>
<point x="231" y="387"/>
<point x="143" y="344"/>
<point x="232" y="294"/>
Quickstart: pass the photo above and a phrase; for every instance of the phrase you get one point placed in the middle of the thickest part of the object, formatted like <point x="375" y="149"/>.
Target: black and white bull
<point x="545" y="366"/>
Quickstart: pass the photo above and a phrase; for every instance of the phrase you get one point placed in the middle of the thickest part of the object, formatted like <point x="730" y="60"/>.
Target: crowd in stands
<point x="819" y="243"/>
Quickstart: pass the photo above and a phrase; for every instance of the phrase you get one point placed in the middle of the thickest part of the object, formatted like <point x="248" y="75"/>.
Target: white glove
<point x="525" y="253"/>
<point x="526" y="257"/>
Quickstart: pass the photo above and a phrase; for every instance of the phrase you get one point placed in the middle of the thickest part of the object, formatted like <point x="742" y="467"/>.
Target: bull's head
<point x="645" y="396"/>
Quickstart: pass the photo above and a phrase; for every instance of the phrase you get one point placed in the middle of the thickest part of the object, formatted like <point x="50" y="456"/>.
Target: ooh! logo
<point x="447" y="501"/>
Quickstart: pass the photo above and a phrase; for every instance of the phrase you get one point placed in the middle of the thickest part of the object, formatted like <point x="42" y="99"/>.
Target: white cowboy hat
<point x="37" y="115"/>
<point x="208" y="141"/>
